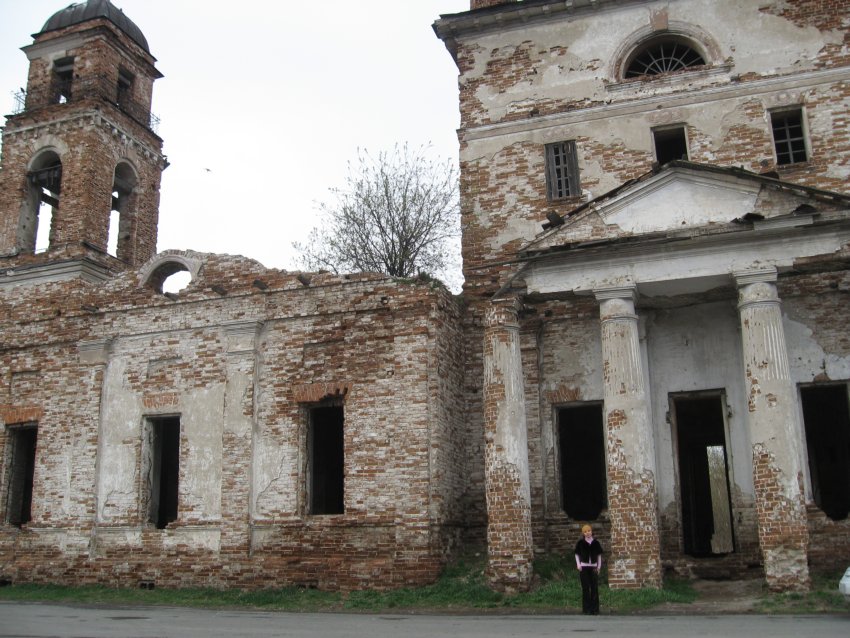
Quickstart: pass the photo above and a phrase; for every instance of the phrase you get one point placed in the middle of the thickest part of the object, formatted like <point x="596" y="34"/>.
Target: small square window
<point x="789" y="137"/>
<point x="670" y="144"/>
<point x="562" y="179"/>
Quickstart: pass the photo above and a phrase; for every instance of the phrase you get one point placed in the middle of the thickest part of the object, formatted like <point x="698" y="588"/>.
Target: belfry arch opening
<point x="44" y="185"/>
<point x="119" y="243"/>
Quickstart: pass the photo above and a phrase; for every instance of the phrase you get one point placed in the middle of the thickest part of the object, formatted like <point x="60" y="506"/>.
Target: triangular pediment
<point x="685" y="197"/>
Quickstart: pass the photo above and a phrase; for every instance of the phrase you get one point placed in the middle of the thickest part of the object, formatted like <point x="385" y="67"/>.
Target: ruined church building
<point x="652" y="336"/>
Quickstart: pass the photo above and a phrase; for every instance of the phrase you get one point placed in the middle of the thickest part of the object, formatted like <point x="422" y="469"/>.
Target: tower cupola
<point x="82" y="160"/>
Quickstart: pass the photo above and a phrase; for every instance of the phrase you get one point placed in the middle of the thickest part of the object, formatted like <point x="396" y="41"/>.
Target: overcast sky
<point x="263" y="104"/>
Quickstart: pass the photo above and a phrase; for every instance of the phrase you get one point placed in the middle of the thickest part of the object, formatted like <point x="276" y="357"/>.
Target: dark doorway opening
<point x="827" y="419"/>
<point x="670" y="144"/>
<point x="581" y="441"/>
<point x="703" y="475"/>
<point x="165" y="470"/>
<point x="326" y="460"/>
<point x="21" y="441"/>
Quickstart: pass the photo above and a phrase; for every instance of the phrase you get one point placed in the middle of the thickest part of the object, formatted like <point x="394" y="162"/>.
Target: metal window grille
<point x="663" y="56"/>
<point x="562" y="179"/>
<point x="788" y="137"/>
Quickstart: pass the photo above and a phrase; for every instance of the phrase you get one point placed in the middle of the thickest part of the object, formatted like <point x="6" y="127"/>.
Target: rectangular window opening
<point x="326" y="460"/>
<point x="63" y="79"/>
<point x="789" y="136"/>
<point x="112" y="234"/>
<point x="125" y="87"/>
<point x="21" y="445"/>
<point x="164" y="470"/>
<point x="562" y="177"/>
<point x="581" y="440"/>
<point x="826" y="416"/>
<point x="670" y="144"/>
<point x="44" y="221"/>
<point x="706" y="501"/>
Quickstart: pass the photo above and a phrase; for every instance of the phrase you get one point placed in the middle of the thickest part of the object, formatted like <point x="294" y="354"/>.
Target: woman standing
<point x="588" y="563"/>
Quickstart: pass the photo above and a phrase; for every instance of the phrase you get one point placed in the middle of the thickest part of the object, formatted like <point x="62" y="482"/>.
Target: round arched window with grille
<point x="663" y="55"/>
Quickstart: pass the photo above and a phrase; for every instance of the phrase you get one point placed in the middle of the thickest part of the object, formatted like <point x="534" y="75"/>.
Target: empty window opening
<point x="326" y="460"/>
<point x="120" y="218"/>
<point x="703" y="475"/>
<point x="177" y="282"/>
<point x="63" y="79"/>
<point x="42" y="203"/>
<point x="562" y="178"/>
<point x="20" y="471"/>
<point x="163" y="462"/>
<point x="827" y="420"/>
<point x="114" y="222"/>
<point x="170" y="277"/>
<point x="789" y="137"/>
<point x="581" y="441"/>
<point x="125" y="88"/>
<point x="664" y="55"/>
<point x="670" y="144"/>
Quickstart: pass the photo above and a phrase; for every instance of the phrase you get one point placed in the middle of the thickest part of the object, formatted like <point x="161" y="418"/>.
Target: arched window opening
<point x="45" y="183"/>
<point x="663" y="55"/>
<point x="177" y="282"/>
<point x="120" y="217"/>
<point x="170" y="277"/>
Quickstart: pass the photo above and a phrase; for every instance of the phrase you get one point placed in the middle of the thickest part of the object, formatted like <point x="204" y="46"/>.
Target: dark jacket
<point x="588" y="552"/>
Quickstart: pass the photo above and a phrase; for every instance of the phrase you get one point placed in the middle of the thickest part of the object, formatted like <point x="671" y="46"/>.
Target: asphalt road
<point x="32" y="620"/>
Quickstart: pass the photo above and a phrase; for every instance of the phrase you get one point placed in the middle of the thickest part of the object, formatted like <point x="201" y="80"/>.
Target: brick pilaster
<point x="506" y="453"/>
<point x="238" y="430"/>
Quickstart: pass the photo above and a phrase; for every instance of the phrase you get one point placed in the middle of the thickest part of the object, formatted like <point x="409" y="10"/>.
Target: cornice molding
<point x="748" y="89"/>
<point x="84" y="269"/>
<point x="80" y="119"/>
<point x="517" y="15"/>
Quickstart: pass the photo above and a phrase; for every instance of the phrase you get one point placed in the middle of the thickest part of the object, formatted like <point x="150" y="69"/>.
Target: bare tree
<point x="397" y="214"/>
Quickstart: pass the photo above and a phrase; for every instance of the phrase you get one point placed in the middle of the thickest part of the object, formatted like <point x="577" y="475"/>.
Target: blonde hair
<point x="586" y="528"/>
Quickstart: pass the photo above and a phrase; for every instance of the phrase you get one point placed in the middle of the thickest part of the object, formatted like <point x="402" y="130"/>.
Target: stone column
<point x="509" y="547"/>
<point x="774" y="432"/>
<point x="634" y="558"/>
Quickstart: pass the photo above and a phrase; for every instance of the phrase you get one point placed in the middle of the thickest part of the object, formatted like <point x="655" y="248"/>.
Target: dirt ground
<point x="721" y="597"/>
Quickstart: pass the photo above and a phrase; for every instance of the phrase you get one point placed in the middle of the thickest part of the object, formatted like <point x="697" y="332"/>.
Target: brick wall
<point x="549" y="82"/>
<point x="240" y="370"/>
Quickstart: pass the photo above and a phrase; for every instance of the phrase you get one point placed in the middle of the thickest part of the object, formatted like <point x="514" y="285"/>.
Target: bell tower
<point x="81" y="163"/>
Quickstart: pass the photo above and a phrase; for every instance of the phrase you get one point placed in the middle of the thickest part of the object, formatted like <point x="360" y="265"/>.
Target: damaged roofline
<point x="735" y="171"/>
<point x="453" y="25"/>
<point x="639" y="243"/>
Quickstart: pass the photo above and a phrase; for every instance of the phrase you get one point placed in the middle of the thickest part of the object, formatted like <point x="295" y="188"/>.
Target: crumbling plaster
<point x="693" y="349"/>
<point x="509" y="436"/>
<point x="123" y="418"/>
<point x="565" y="59"/>
<point x="809" y="359"/>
